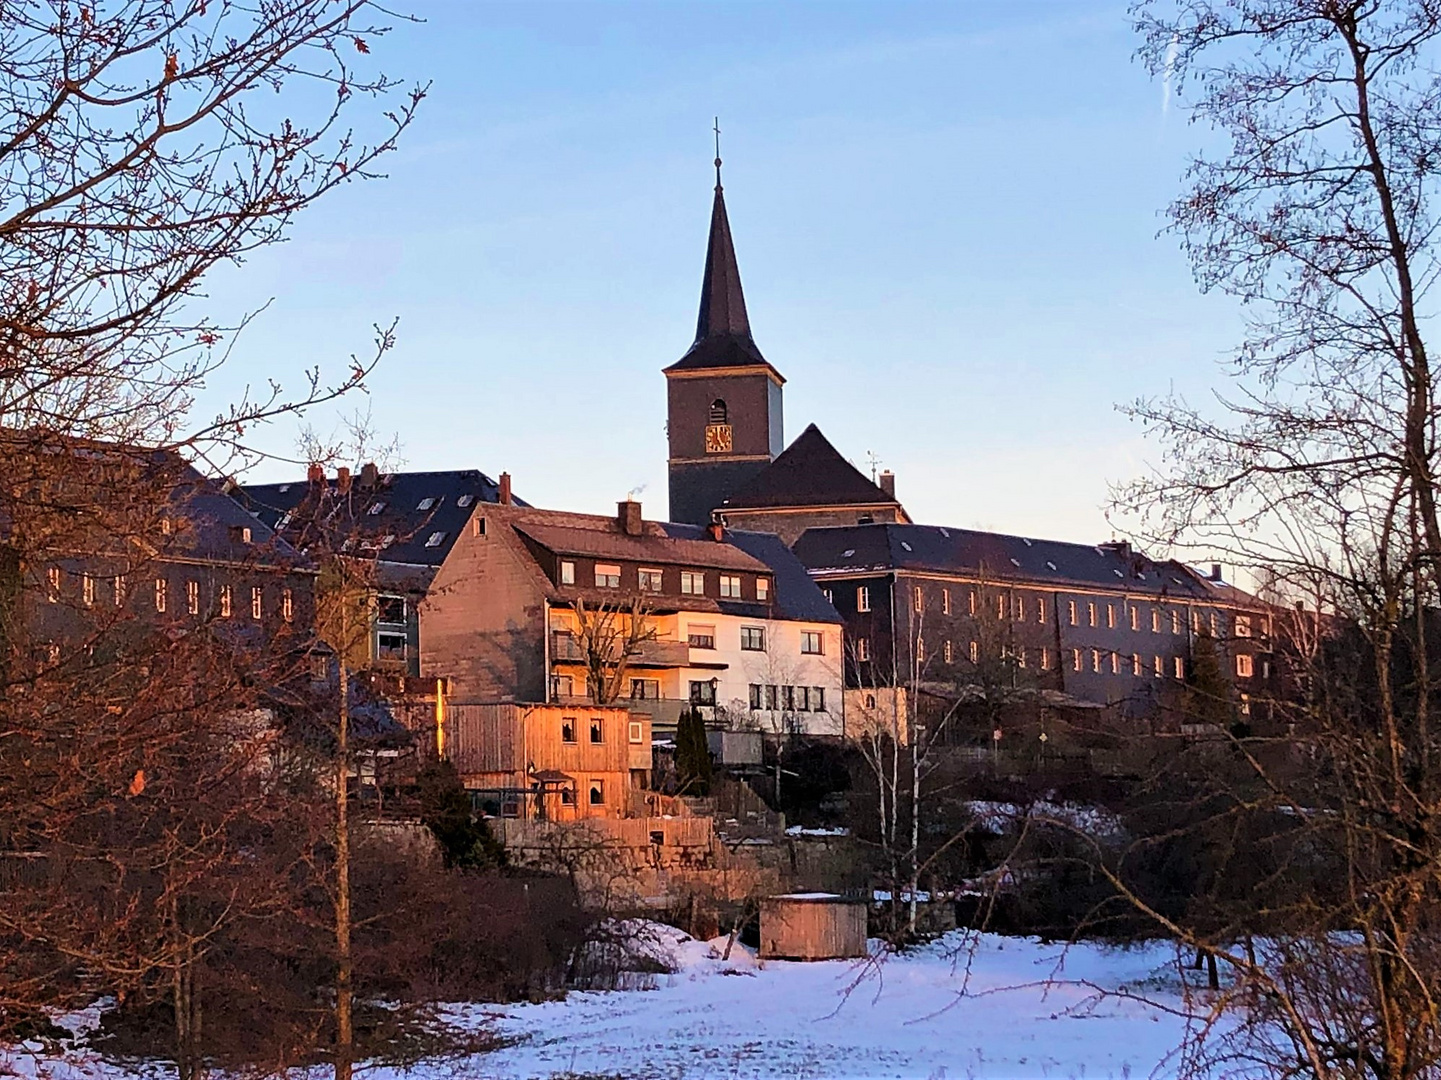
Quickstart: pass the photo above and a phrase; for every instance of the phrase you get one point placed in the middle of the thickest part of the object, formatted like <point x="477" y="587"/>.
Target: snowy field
<point x="962" y="1007"/>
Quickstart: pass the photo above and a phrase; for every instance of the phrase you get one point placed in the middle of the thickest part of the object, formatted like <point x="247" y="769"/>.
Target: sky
<point x="947" y="218"/>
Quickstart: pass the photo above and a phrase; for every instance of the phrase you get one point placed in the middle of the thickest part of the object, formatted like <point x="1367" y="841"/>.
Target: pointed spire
<point x="722" y="304"/>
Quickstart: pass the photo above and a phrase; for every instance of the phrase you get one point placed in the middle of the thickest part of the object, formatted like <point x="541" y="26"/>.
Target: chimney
<point x="342" y="480"/>
<point x="316" y="475"/>
<point x="887" y="482"/>
<point x="504" y="496"/>
<point x="1215" y="571"/>
<point x="716" y="531"/>
<point x="627" y="513"/>
<point x="369" y="475"/>
<point x="1300" y="605"/>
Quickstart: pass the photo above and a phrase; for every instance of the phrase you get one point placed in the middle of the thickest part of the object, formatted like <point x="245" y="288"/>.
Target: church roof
<point x="723" y="329"/>
<point x="809" y="472"/>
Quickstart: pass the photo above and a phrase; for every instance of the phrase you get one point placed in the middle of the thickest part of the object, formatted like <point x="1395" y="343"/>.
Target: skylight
<point x="1050" y="564"/>
<point x="426" y="503"/>
<point x="1015" y="561"/>
<point x="1118" y="573"/>
<point x="1025" y="541"/>
<point x="283" y="488"/>
<point x="376" y="508"/>
<point x="435" y="539"/>
<point x="465" y="500"/>
<point x="946" y="533"/>
<point x="905" y="545"/>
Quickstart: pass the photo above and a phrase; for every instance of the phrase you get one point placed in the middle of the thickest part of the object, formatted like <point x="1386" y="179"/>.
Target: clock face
<point x="718" y="439"/>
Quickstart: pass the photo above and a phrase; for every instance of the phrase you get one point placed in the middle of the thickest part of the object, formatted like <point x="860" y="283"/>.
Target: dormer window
<point x="718" y="411"/>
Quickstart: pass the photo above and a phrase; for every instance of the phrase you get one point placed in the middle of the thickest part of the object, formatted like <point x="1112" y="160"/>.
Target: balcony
<point x="649" y="654"/>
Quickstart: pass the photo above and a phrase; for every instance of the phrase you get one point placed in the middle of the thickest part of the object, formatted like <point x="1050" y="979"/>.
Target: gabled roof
<point x="883" y="547"/>
<point x="809" y="472"/>
<point x="796" y="595"/>
<point x="723" y="329"/>
<point x="659" y="547"/>
<point x="405" y="517"/>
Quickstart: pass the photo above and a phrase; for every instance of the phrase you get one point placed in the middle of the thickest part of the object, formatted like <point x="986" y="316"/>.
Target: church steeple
<point x="722" y="303"/>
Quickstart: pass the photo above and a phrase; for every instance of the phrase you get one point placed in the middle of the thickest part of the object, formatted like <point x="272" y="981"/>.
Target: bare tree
<point x="609" y="636"/>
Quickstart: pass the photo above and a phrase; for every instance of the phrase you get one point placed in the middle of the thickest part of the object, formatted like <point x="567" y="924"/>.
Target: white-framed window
<point x="192" y="597"/>
<point x="1180" y="668"/>
<point x="1155" y="620"/>
<point x="863" y="598"/>
<point x="946" y="650"/>
<point x="1135" y="617"/>
<point x="975" y="652"/>
<point x="1110" y="616"/>
<point x="1115" y="662"/>
<point x="226" y="594"/>
<point x="1018" y="613"/>
<point x="1040" y="609"/>
<point x="567" y="572"/>
<point x="692" y="582"/>
<point x="763" y="590"/>
<point x="257" y="600"/>
<point x="863" y="649"/>
<point x="945" y="601"/>
<point x="651" y="580"/>
<point x="1243" y="625"/>
<point x="162" y="588"/>
<point x="971" y="603"/>
<point x="1001" y="606"/>
<point x="287" y="605"/>
<point x="1075" y="659"/>
<point x="1175" y="621"/>
<point x="700" y="637"/>
<point x="730" y="586"/>
<point x="1045" y="659"/>
<point x="1244" y="665"/>
<point x="918" y="599"/>
<point x="435" y="539"/>
<point x="636" y="732"/>
<point x="87" y="590"/>
<point x="812" y="642"/>
<point x="1159" y="666"/>
<point x="1071" y="611"/>
<point x="607" y="576"/>
<point x="1091" y="613"/>
<point x="1096" y="660"/>
<point x="1136" y="664"/>
<point x="753" y="638"/>
<point x="390" y="610"/>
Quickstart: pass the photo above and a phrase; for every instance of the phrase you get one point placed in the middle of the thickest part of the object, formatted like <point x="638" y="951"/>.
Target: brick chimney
<point x="316" y="474"/>
<point x="504" y="496"/>
<point x="1215" y="571"/>
<point x="627" y="514"/>
<point x="342" y="480"/>
<point x="887" y="483"/>
<point x="369" y="475"/>
<point x="716" y="531"/>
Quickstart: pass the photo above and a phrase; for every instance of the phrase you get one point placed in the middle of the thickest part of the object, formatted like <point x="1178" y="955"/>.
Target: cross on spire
<point x="717" y="153"/>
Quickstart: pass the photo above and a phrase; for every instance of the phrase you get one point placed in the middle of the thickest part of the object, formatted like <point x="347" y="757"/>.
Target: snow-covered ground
<point x="965" y="1006"/>
<point x="962" y="1007"/>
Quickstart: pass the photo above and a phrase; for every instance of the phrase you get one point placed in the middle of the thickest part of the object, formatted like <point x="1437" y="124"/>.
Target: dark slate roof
<point x="400" y="530"/>
<point x="216" y="524"/>
<point x="796" y="595"/>
<point x="723" y="329"/>
<point x="809" y="472"/>
<point x="885" y="547"/>
<point x="659" y="547"/>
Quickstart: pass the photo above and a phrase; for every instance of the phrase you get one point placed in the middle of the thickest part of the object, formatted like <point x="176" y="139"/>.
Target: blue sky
<point x="946" y="217"/>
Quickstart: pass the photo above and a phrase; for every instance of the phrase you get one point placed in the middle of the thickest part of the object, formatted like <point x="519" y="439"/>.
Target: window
<point x="1158" y="667"/>
<point x="1136" y="664"/>
<point x="1196" y="622"/>
<point x="1071" y="611"/>
<point x="830" y="596"/>
<point x="772" y="696"/>
<point x="567" y="730"/>
<point x="753" y="638"/>
<point x="166" y="526"/>
<point x="1021" y="657"/>
<point x="702" y="693"/>
<point x="1243" y="625"/>
<point x="435" y="539"/>
<point x="971" y="603"/>
<point x="1096" y="660"/>
<point x="225" y="601"/>
<point x="636" y="732"/>
<point x="863" y="598"/>
<point x="567" y="796"/>
<point x="287" y="605"/>
<point x="651" y="581"/>
<point x="87" y="590"/>
<point x="863" y="650"/>
<point x="52" y="584"/>
<point x="119" y="586"/>
<point x="945" y="601"/>
<point x="788" y="698"/>
<point x="1175" y="622"/>
<point x="567" y="572"/>
<point x="1075" y="659"/>
<point x="692" y="582"/>
<point x="607" y="576"/>
<point x="946" y="650"/>
<point x="1000" y="606"/>
<point x="597" y="793"/>
<point x="1019" y="611"/>
<point x="597" y="730"/>
<point x="426" y="503"/>
<point x="975" y="652"/>
<point x="718" y="411"/>
<point x="1213" y="624"/>
<point x="1135" y="617"/>
<point x="763" y="590"/>
<point x="918" y="600"/>
<point x="390" y="610"/>
<point x="755" y="695"/>
<point x="1040" y="609"/>
<point x="1244" y="666"/>
<point x="812" y="642"/>
<point x="1245" y="704"/>
<point x="1180" y="668"/>
<point x="562" y="686"/>
<point x="192" y="597"/>
<point x="1091" y="614"/>
<point x="319" y="668"/>
<point x="1045" y="659"/>
<point x="477" y="526"/>
<point x="921" y="649"/>
<point x="256" y="600"/>
<point x="376" y="509"/>
<point x="818" y="699"/>
<point x="645" y="689"/>
<point x="1155" y="620"/>
<point x="730" y="586"/>
<point x="1115" y="663"/>
<point x="1110" y="616"/>
<point x="701" y="637"/>
<point x="162" y="587"/>
<point x="390" y="645"/>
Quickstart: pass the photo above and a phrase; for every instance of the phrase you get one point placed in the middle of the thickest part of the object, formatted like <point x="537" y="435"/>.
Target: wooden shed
<point x="812" y="926"/>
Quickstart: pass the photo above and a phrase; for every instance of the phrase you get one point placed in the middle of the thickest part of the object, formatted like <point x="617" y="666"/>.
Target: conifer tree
<point x="692" y="756"/>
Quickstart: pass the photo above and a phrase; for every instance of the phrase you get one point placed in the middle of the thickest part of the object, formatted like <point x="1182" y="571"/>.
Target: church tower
<point x="723" y="396"/>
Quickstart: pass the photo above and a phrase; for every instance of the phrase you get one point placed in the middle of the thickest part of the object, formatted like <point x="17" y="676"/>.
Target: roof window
<point x="1025" y="541"/>
<point x="283" y="488"/>
<point x="848" y="553"/>
<point x="435" y="539"/>
<point x="905" y="545"/>
<point x="465" y="500"/>
<point x="426" y="503"/>
<point x="1117" y="573"/>
<point x="946" y="534"/>
<point x="376" y="508"/>
<point x="1050" y="564"/>
<point x="1015" y="561"/>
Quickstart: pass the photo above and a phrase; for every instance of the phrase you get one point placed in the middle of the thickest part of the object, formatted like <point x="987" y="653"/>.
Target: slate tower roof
<point x="810" y="472"/>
